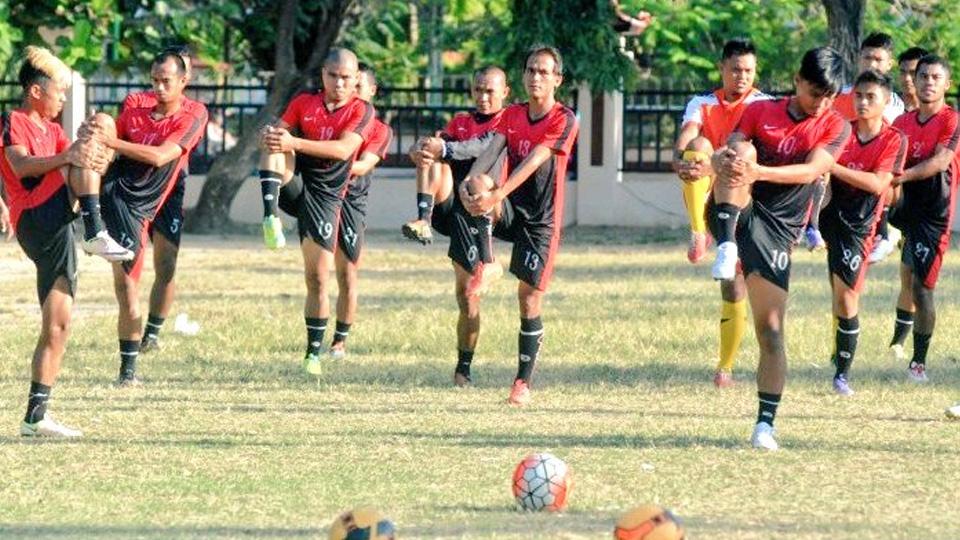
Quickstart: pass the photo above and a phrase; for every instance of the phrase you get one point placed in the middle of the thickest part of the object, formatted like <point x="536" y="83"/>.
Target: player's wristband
<point x="447" y="151"/>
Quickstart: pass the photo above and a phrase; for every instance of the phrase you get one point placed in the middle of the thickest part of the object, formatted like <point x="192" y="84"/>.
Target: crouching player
<point x="858" y="182"/>
<point x="353" y="216"/>
<point x="528" y="207"/>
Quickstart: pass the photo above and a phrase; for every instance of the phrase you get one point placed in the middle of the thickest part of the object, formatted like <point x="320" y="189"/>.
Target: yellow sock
<point x="733" y="323"/>
<point x="695" y="194"/>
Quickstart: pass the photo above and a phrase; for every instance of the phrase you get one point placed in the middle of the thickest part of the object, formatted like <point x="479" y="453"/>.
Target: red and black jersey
<point x="378" y="143"/>
<point x="884" y="153"/>
<point x="782" y="139"/>
<point x="41" y="140"/>
<point x="467" y="126"/>
<point x="933" y="197"/>
<point x="309" y="114"/>
<point x="143" y="187"/>
<point x="539" y="199"/>
<point x="148" y="100"/>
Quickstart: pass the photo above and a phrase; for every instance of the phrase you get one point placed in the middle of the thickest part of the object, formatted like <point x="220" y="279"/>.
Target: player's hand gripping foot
<point x="103" y="245"/>
<point x="273" y="233"/>
<point x="814" y="239"/>
<point x="881" y="250"/>
<point x="338" y="351"/>
<point x="149" y="344"/>
<point x="519" y="394"/>
<point x="917" y="373"/>
<point x="953" y="413"/>
<point x="723" y="379"/>
<point x="762" y="438"/>
<point x="418" y="230"/>
<point x="312" y="365"/>
<point x="725" y="267"/>
<point x="697" y="249"/>
<point x="483" y="276"/>
<point x="842" y="387"/>
<point x="48" y="427"/>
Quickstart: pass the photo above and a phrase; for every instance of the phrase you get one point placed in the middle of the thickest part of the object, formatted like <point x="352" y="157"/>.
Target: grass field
<point x="229" y="439"/>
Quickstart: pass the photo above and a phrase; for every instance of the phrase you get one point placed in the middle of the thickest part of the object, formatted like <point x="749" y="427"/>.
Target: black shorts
<point x="847" y="250"/>
<point x="169" y="221"/>
<point x="316" y="209"/>
<point x="126" y="227"/>
<point x="353" y="223"/>
<point x="46" y="235"/>
<point x="534" y="246"/>
<point x="924" y="245"/>
<point x="764" y="244"/>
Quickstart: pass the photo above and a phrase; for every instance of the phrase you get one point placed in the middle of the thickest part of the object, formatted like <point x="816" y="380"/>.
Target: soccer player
<point x="353" y="215"/>
<point x="332" y="124"/>
<point x="153" y="143"/>
<point x="165" y="230"/>
<point x="858" y="181"/>
<point x="929" y="186"/>
<point x="538" y="137"/>
<point x="707" y="123"/>
<point x="887" y="237"/>
<point x="444" y="162"/>
<point x="489" y="92"/>
<point x="761" y="199"/>
<point x="876" y="52"/>
<point x="35" y="151"/>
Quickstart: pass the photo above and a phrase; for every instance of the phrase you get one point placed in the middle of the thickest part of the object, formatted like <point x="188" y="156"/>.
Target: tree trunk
<point x="845" y="21"/>
<point x="232" y="168"/>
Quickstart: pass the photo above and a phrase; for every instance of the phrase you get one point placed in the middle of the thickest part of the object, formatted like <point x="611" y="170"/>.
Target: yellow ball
<point x="362" y="524"/>
<point x="648" y="522"/>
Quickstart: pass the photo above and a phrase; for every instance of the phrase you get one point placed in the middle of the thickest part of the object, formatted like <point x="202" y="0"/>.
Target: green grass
<point x="229" y="439"/>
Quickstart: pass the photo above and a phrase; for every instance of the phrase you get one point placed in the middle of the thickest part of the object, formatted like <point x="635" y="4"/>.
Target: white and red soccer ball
<point x="541" y="482"/>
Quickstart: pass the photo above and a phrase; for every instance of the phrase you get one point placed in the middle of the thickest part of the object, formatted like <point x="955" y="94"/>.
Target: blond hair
<point x="46" y="63"/>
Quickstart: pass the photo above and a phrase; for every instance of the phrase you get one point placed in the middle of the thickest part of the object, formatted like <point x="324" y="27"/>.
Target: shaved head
<point x="490" y="72"/>
<point x="338" y="57"/>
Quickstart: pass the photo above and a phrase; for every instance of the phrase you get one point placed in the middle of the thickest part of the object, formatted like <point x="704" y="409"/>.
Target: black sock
<point x="921" y="342"/>
<point x="90" y="214"/>
<point x="270" y="191"/>
<point x="464" y="359"/>
<point x="315" y="329"/>
<point x="341" y="333"/>
<point x="531" y="337"/>
<point x="725" y="218"/>
<point x="882" y="229"/>
<point x="152" y="329"/>
<point x="129" y="349"/>
<point x="848" y="332"/>
<point x="768" y="407"/>
<point x="902" y="327"/>
<point x="424" y="206"/>
<point x="484" y="226"/>
<point x="37" y="402"/>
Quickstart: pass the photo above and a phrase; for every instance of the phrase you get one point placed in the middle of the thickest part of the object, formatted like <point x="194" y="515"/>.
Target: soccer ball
<point x="362" y="524"/>
<point x="541" y="482"/>
<point x="648" y="522"/>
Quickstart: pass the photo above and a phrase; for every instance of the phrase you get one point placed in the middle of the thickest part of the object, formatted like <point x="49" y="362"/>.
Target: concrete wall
<point x="392" y="200"/>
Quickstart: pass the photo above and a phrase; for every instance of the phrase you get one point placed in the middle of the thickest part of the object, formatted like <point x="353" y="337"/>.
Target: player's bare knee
<point x="701" y="144"/>
<point x="105" y="123"/>
<point x="744" y="150"/>
<point x="770" y="339"/>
